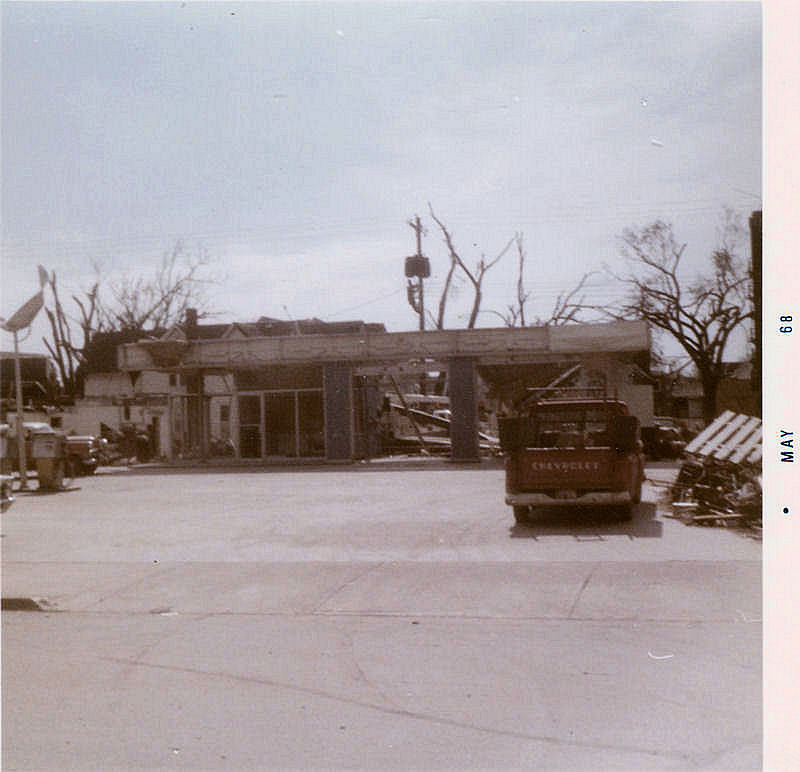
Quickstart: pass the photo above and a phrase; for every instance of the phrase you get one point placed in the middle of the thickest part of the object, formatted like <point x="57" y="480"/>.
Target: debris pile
<point x="720" y="482"/>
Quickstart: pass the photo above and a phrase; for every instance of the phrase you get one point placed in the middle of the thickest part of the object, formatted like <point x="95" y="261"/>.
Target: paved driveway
<point x="376" y="616"/>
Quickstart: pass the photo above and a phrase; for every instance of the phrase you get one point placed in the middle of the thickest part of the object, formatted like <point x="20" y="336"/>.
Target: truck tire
<point x="80" y="468"/>
<point x="521" y="514"/>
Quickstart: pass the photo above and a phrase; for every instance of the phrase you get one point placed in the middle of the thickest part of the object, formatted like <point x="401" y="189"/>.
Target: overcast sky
<point x="292" y="142"/>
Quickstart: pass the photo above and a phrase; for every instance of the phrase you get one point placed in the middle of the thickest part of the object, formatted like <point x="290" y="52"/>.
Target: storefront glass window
<point x="312" y="424"/>
<point x="250" y="425"/>
<point x="292" y="424"/>
<point x="279" y="420"/>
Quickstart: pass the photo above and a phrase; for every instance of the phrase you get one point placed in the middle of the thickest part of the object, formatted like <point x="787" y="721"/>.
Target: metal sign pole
<point x="21" y="319"/>
<point x="23" y="472"/>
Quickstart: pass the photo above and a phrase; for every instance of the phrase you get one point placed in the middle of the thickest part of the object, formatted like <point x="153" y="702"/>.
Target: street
<point x="381" y="615"/>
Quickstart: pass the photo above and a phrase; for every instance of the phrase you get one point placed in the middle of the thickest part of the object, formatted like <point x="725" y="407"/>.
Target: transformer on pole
<point x="417" y="266"/>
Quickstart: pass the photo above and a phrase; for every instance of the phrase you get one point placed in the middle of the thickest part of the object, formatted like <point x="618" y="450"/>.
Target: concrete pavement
<point x="390" y="619"/>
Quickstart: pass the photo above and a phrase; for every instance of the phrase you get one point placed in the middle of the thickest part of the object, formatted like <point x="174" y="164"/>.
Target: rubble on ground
<point x="719" y="483"/>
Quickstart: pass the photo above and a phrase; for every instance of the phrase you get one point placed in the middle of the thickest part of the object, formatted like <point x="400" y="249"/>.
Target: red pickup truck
<point x="572" y="452"/>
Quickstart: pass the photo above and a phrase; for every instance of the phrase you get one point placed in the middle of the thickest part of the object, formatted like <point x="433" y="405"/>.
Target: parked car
<point x="662" y="442"/>
<point x="83" y="454"/>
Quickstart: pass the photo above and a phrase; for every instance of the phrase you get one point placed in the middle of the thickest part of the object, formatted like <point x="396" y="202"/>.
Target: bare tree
<point x="475" y="277"/>
<point x="516" y="311"/>
<point x="413" y="299"/>
<point x="700" y="314"/>
<point x="448" y="282"/>
<point x="140" y="303"/>
<point x="67" y="354"/>
<point x="567" y="307"/>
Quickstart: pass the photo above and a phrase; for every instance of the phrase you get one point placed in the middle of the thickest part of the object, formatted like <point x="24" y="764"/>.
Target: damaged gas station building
<point x="318" y="395"/>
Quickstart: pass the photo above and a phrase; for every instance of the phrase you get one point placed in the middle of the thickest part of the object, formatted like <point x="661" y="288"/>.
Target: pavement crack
<point x="347" y="583"/>
<point x="361" y="675"/>
<point x="403" y="712"/>
<point x="580" y="591"/>
<point x="119" y="591"/>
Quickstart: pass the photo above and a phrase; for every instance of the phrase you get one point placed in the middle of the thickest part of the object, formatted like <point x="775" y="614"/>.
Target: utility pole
<point x="417" y="226"/>
<point x="420" y="267"/>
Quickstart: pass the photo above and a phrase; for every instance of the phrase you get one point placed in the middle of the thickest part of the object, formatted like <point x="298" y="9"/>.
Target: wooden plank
<point x="709" y="431"/>
<point x="723" y="435"/>
<point x="739" y="438"/>
<point x="755" y="455"/>
<point x="746" y="448"/>
<point x="724" y="431"/>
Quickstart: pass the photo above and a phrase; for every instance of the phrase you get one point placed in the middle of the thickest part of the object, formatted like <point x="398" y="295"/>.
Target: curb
<point x="20" y="604"/>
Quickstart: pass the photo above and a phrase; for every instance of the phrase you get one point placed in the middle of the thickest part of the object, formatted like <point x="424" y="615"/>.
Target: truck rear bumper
<point x="543" y="500"/>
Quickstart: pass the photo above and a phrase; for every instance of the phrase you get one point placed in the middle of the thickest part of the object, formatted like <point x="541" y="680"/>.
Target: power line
<point x="366" y="303"/>
<point x="583" y="211"/>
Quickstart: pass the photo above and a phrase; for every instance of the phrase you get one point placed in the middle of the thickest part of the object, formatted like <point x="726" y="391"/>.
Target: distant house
<point x="266" y="326"/>
<point x="736" y="392"/>
<point x="681" y="397"/>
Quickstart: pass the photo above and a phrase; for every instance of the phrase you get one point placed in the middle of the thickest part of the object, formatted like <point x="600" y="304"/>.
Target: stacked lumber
<point x="731" y="437"/>
<point x="720" y="481"/>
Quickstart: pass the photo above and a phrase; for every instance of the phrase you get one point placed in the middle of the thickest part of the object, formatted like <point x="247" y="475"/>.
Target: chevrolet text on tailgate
<point x="572" y="452"/>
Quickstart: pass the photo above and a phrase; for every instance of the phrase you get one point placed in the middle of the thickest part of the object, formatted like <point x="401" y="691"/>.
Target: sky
<point x="292" y="143"/>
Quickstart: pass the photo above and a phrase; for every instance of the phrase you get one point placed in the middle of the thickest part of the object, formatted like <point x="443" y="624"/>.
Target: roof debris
<point x="720" y="482"/>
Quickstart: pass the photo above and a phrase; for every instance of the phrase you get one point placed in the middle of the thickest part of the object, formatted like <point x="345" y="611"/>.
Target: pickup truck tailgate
<point x="532" y="469"/>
